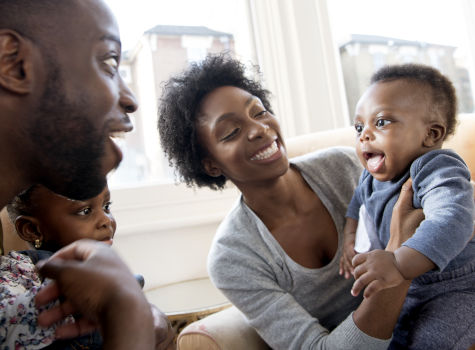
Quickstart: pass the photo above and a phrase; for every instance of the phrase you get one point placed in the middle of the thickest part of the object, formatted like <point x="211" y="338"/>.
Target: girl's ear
<point x="211" y="168"/>
<point x="27" y="228"/>
<point x="435" y="134"/>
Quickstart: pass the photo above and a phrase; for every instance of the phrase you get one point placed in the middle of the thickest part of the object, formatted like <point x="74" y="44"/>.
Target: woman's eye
<point x="261" y="113"/>
<point x="382" y="122"/>
<point x="359" y="128"/>
<point x="85" y="211"/>
<point x="107" y="207"/>
<point x="230" y="135"/>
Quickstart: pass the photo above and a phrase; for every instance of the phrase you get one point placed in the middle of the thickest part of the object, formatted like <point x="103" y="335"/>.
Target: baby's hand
<point x="376" y="270"/>
<point x="346" y="268"/>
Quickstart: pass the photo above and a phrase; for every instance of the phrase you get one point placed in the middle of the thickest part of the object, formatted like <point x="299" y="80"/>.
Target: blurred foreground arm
<point x="97" y="285"/>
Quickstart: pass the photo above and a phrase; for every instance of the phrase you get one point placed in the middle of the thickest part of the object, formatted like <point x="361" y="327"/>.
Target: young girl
<point x="48" y="222"/>
<point x="401" y="122"/>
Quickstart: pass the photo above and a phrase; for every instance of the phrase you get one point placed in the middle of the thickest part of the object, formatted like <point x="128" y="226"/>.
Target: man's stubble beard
<point x="68" y="145"/>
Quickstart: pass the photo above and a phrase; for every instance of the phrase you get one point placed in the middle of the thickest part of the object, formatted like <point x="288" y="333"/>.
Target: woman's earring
<point x="37" y="243"/>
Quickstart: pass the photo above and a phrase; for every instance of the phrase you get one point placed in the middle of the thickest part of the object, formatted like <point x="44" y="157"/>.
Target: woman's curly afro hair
<point x="179" y="108"/>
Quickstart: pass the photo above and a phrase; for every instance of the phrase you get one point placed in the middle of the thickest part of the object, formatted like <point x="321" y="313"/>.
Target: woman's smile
<point x="267" y="153"/>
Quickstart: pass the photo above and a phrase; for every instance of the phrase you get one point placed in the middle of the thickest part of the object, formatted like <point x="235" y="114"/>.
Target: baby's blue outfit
<point x="439" y="311"/>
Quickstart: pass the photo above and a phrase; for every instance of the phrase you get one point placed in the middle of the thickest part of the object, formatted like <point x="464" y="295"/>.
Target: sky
<point x="135" y="19"/>
<point x="407" y="19"/>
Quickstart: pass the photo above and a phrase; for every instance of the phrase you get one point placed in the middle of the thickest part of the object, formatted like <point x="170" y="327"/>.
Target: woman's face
<point x="242" y="139"/>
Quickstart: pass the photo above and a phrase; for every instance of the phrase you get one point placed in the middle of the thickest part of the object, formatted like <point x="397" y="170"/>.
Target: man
<point x="61" y="100"/>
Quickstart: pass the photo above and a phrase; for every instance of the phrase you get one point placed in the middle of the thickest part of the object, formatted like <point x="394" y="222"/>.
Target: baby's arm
<point x="381" y="269"/>
<point x="349" y="235"/>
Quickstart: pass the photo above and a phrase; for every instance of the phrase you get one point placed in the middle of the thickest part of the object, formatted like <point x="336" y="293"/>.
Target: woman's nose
<point x="257" y="129"/>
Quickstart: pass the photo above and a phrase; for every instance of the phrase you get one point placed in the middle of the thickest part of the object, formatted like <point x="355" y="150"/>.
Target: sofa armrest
<point x="224" y="330"/>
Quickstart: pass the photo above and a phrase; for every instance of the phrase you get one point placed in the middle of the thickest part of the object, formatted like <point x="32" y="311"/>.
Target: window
<point x="371" y="34"/>
<point x="160" y="38"/>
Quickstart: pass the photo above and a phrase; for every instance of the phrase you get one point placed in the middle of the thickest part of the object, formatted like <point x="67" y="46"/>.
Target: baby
<point x="401" y="122"/>
<point x="48" y="222"/>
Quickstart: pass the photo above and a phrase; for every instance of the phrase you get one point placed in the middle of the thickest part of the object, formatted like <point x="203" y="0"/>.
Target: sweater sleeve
<point x="18" y="313"/>
<point x="249" y="283"/>
<point x="441" y="182"/>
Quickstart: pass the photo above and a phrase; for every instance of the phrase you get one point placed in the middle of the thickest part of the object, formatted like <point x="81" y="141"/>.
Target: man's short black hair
<point x="444" y="100"/>
<point x="179" y="108"/>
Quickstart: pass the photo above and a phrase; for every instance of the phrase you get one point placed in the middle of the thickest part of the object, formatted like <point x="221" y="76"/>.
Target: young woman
<point x="276" y="255"/>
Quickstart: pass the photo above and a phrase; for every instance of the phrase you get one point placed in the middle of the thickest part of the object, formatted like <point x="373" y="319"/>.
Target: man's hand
<point x="164" y="333"/>
<point x="99" y="289"/>
<point x="376" y="270"/>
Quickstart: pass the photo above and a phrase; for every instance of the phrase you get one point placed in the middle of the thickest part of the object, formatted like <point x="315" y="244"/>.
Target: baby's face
<point x="392" y="121"/>
<point x="63" y="221"/>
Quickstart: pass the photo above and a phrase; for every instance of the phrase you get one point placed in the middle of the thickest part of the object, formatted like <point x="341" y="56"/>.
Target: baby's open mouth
<point x="374" y="161"/>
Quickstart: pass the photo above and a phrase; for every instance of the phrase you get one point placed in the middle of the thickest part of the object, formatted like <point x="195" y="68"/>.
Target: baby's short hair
<point x="444" y="99"/>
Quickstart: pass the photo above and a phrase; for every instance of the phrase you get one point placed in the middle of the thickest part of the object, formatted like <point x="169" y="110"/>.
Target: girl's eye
<point x="85" y="211"/>
<point x="107" y="207"/>
<point x="261" y="113"/>
<point x="359" y="128"/>
<point x="382" y="122"/>
<point x="230" y="135"/>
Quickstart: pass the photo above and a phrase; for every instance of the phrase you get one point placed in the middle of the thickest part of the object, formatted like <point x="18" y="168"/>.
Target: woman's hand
<point x="405" y="218"/>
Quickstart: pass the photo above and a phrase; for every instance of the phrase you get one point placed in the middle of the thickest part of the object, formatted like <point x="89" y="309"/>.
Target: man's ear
<point x="210" y="168"/>
<point x="27" y="228"/>
<point x="435" y="134"/>
<point x="15" y="62"/>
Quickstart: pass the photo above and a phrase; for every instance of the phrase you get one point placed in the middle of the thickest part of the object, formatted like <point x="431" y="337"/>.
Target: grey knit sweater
<point x="291" y="306"/>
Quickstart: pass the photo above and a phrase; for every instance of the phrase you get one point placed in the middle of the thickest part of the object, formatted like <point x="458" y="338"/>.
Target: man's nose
<point x="127" y="99"/>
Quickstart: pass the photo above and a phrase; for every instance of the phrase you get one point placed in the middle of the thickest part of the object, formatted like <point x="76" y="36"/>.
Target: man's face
<point x="83" y="103"/>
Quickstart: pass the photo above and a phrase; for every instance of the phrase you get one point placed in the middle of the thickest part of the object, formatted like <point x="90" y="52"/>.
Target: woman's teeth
<point x="268" y="152"/>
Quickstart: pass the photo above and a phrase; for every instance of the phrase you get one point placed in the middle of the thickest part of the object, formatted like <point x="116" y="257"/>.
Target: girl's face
<point x="241" y="138"/>
<point x="62" y="221"/>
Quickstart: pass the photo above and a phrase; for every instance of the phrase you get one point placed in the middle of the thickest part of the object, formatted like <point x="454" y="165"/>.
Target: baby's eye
<point x="107" y="207"/>
<point x="85" y="211"/>
<point x="382" y="122"/>
<point x="359" y="128"/>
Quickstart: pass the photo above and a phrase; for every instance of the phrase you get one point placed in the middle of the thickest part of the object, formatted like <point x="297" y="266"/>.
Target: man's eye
<point x="84" y="212"/>
<point x="359" y="128"/>
<point x="112" y="62"/>
<point x="382" y="122"/>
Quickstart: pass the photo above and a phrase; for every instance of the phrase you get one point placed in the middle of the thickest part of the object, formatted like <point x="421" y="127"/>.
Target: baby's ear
<point x="435" y="134"/>
<point x="27" y="228"/>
